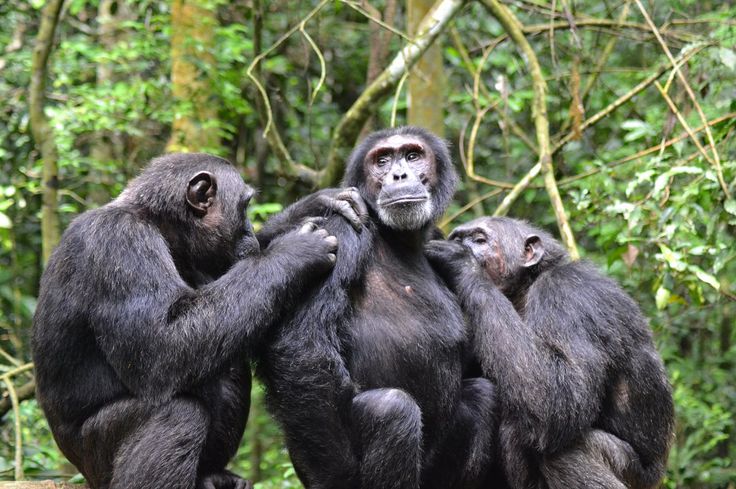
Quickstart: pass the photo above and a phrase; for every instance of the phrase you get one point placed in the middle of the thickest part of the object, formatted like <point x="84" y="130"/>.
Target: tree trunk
<point x="194" y="128"/>
<point x="427" y="80"/>
<point x="41" y="130"/>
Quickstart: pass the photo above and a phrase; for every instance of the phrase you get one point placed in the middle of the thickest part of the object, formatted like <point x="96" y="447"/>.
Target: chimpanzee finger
<point x="347" y="211"/>
<point x="307" y="227"/>
<point x="243" y="484"/>
<point x="321" y="233"/>
<point x="352" y="196"/>
<point x="332" y="242"/>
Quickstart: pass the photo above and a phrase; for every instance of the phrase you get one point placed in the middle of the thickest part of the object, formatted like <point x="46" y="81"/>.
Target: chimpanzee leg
<point x="598" y="461"/>
<point x="165" y="450"/>
<point x="227" y="400"/>
<point x="387" y="425"/>
<point x="519" y="465"/>
<point x="463" y="460"/>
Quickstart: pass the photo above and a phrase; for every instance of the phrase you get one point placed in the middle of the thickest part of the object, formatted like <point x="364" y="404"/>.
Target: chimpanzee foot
<point x="224" y="480"/>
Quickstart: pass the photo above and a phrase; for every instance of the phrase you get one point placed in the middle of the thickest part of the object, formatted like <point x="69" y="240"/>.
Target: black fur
<point x="366" y="377"/>
<point x="146" y="320"/>
<point x="585" y="401"/>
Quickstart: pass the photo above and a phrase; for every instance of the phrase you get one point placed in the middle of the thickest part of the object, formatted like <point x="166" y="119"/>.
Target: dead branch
<point x="352" y="122"/>
<point x="539" y="112"/>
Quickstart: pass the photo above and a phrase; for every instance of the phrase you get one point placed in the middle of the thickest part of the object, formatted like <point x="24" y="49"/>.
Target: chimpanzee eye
<point x="479" y="240"/>
<point x="412" y="156"/>
<point x="382" y="160"/>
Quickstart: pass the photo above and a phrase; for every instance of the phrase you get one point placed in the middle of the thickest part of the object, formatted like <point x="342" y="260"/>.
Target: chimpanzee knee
<point x="466" y="456"/>
<point x="387" y="405"/>
<point x="164" y="451"/>
<point x="387" y="426"/>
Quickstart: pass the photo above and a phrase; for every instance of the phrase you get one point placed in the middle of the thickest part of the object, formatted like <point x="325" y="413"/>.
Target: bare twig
<point x="683" y="122"/>
<point x="470" y="164"/>
<point x="24" y="392"/>
<point x="6" y="378"/>
<point x="525" y="181"/>
<point x="481" y="87"/>
<point x="539" y="111"/>
<point x="443" y="224"/>
<point x="640" y="87"/>
<point x="350" y="125"/>
<point x="693" y="98"/>
<point x="374" y="18"/>
<point x="645" y="152"/>
<point x="273" y="137"/>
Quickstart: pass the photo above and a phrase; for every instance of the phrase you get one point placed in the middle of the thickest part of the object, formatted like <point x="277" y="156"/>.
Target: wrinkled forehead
<point x="469" y="229"/>
<point x="398" y="141"/>
<point x="488" y="227"/>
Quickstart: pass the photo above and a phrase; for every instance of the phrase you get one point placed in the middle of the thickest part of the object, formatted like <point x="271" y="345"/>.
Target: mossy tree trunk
<point x="41" y="129"/>
<point x="427" y="80"/>
<point x="194" y="128"/>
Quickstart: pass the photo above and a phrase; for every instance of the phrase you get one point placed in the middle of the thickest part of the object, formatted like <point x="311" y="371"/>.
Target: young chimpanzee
<point x="148" y="312"/>
<point x="585" y="401"/>
<point x="367" y="377"/>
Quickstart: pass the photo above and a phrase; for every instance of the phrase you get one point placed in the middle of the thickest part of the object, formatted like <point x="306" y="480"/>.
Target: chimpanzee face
<point x="505" y="250"/>
<point x="401" y="173"/>
<point x="220" y="204"/>
<point x="486" y="248"/>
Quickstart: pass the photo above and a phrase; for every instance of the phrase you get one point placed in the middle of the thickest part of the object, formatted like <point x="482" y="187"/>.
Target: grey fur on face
<point x="406" y="217"/>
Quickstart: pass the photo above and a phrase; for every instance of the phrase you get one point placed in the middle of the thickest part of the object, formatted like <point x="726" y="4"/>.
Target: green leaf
<point x="728" y="57"/>
<point x="5" y="222"/>
<point x="662" y="297"/>
<point x="730" y="206"/>
<point x="704" y="276"/>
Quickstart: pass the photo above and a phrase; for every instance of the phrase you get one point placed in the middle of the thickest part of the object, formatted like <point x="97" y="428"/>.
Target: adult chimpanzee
<point x="585" y="401"/>
<point x="148" y="311"/>
<point x="366" y="378"/>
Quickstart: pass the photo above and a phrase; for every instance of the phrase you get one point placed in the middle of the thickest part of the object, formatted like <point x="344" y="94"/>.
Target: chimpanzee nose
<point x="400" y="175"/>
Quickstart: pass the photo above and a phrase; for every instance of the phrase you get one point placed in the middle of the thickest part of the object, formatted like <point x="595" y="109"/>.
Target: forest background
<point x="608" y="122"/>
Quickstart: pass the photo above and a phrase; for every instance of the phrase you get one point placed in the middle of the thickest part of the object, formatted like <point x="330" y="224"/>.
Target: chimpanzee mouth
<point x="411" y="199"/>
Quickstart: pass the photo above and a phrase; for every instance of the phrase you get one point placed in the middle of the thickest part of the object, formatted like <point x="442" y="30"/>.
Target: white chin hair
<point x="406" y="217"/>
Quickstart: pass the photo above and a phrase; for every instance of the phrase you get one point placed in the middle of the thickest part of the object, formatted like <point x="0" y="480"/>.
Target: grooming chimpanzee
<point x="149" y="310"/>
<point x="585" y="401"/>
<point x="366" y="377"/>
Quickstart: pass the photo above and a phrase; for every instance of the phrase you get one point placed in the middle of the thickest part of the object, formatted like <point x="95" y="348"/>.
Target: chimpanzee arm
<point x="549" y="368"/>
<point x="308" y="383"/>
<point x="161" y="336"/>
<point x="346" y="202"/>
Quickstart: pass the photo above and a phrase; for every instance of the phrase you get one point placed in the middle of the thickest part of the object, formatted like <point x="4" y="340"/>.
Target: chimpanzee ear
<point x="201" y="192"/>
<point x="533" y="250"/>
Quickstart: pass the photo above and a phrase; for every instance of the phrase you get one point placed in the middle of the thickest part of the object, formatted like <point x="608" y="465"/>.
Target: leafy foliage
<point x="646" y="204"/>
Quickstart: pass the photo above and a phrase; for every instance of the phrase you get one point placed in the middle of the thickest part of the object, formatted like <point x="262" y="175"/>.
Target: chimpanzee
<point x="149" y="310"/>
<point x="584" y="398"/>
<point x="366" y="378"/>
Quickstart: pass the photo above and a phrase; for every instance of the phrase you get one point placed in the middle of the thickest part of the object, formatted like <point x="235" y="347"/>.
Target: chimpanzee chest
<point x="407" y="333"/>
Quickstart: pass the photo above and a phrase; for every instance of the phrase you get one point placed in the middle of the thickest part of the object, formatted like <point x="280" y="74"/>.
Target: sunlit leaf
<point x="5" y="222"/>
<point x="704" y="276"/>
<point x="662" y="298"/>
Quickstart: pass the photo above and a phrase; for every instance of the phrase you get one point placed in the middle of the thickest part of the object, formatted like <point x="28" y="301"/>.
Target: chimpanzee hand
<point x="453" y="261"/>
<point x="310" y="247"/>
<point x="223" y="480"/>
<point x="348" y="203"/>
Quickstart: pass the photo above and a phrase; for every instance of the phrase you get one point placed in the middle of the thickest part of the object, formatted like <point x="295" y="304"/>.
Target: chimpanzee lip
<point x="403" y="200"/>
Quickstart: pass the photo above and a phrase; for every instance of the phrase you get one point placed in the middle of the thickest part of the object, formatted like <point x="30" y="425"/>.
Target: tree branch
<point x="539" y="112"/>
<point x="349" y="127"/>
<point x="40" y="128"/>
<point x="24" y="392"/>
<point x="640" y="87"/>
